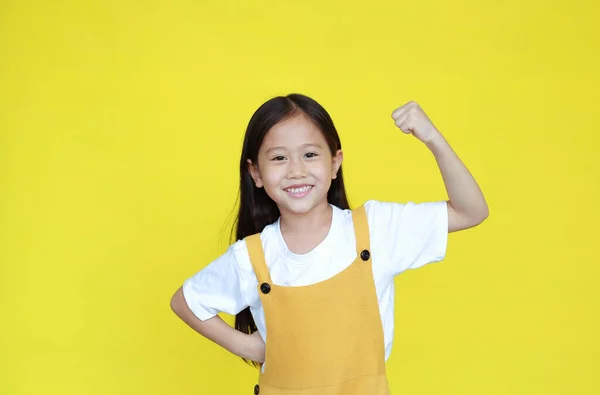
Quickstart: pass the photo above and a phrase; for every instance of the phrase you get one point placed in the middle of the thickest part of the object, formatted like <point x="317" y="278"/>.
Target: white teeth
<point x="299" y="190"/>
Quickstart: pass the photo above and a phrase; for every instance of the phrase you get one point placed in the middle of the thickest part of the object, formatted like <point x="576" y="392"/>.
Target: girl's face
<point x="295" y="166"/>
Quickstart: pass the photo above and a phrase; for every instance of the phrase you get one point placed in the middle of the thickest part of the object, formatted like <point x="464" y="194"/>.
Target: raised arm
<point x="466" y="205"/>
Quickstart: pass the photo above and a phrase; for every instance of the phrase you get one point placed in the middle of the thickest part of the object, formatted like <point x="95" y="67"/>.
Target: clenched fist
<point x="411" y="119"/>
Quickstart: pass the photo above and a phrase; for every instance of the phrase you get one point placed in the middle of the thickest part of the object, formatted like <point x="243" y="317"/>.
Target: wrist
<point x="242" y="347"/>
<point x="435" y="141"/>
<point x="256" y="348"/>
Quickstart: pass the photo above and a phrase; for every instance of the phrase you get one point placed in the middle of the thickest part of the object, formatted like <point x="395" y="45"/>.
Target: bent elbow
<point x="477" y="220"/>
<point x="479" y="214"/>
<point x="485" y="214"/>
<point x="481" y="217"/>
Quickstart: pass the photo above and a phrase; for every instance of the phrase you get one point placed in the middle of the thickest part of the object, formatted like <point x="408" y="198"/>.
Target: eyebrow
<point x="303" y="146"/>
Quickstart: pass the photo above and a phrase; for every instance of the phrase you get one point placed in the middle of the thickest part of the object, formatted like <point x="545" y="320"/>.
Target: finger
<point x="402" y="118"/>
<point x="407" y="126"/>
<point x="399" y="111"/>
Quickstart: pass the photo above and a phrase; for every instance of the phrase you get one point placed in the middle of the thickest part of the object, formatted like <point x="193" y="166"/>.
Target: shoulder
<point x="410" y="209"/>
<point x="375" y="210"/>
<point x="377" y="207"/>
<point x="269" y="238"/>
<point x="384" y="217"/>
<point x="380" y="213"/>
<point x="409" y="234"/>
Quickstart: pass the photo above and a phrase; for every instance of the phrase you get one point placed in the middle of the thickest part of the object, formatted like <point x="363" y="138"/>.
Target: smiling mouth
<point x="299" y="191"/>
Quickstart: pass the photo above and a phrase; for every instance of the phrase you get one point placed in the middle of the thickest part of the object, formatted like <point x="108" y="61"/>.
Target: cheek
<point x="323" y="171"/>
<point x="273" y="175"/>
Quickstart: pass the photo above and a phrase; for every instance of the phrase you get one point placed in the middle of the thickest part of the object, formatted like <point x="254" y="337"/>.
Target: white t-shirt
<point x="403" y="236"/>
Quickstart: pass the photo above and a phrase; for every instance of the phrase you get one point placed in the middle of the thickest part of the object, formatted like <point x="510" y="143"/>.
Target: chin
<point x="297" y="209"/>
<point x="301" y="207"/>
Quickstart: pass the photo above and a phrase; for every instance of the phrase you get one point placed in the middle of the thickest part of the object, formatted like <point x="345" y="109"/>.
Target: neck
<point x="306" y="223"/>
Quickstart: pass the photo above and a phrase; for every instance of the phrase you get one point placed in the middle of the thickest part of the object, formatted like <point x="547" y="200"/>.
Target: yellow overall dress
<point x="325" y="338"/>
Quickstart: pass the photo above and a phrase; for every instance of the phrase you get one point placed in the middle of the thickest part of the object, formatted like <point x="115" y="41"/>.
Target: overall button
<point x="256" y="389"/>
<point x="265" y="288"/>
<point x="365" y="255"/>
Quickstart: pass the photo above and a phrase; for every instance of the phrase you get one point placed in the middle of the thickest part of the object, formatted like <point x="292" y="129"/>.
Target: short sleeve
<point x="411" y="235"/>
<point x="216" y="288"/>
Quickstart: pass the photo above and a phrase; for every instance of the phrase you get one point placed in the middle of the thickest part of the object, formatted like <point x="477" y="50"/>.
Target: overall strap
<point x="257" y="258"/>
<point x="361" y="229"/>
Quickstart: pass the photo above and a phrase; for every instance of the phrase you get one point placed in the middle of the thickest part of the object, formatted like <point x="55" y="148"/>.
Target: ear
<point x="336" y="162"/>
<point x="255" y="174"/>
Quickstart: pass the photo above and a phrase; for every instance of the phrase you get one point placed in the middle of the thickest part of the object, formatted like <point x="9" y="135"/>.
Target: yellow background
<point x="120" y="131"/>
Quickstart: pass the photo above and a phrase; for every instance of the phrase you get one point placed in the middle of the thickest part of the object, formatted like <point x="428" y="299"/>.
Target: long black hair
<point x="256" y="208"/>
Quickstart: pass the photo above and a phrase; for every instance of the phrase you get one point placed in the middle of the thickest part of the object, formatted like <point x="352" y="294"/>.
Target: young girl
<point x="308" y="277"/>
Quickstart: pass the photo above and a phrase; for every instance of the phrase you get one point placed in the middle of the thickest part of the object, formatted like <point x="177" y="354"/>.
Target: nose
<point x="296" y="168"/>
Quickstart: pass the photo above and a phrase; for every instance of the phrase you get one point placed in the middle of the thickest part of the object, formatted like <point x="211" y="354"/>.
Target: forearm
<point x="466" y="204"/>
<point x="465" y="197"/>
<point x="216" y="330"/>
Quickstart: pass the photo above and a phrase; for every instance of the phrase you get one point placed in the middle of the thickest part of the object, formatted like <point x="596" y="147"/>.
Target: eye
<point x="278" y="158"/>
<point x="311" y="155"/>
